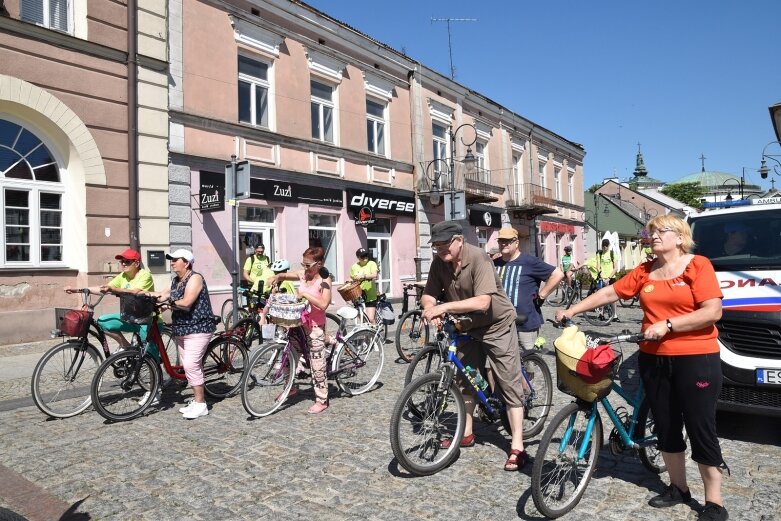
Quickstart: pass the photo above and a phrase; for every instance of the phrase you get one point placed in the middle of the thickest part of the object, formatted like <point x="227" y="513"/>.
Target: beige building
<point x="76" y="186"/>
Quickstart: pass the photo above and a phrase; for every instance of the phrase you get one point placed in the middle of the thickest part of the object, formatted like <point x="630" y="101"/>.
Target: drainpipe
<point x="132" y="122"/>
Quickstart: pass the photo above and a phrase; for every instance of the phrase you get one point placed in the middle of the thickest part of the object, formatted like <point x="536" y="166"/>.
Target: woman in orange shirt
<point x="680" y="365"/>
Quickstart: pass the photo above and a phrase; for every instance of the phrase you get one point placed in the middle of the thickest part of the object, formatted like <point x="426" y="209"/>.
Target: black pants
<point x="682" y="391"/>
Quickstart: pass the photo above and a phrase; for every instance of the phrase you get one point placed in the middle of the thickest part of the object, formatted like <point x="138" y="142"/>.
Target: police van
<point x="743" y="241"/>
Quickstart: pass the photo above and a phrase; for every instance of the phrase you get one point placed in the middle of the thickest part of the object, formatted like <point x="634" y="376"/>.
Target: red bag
<point x="595" y="363"/>
<point x="75" y="322"/>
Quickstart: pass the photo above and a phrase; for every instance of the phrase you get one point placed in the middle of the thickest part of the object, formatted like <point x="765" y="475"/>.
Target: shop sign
<point x="364" y="216"/>
<point x="485" y="219"/>
<point x="561" y="228"/>
<point x="211" y="195"/>
<point x="295" y="193"/>
<point x="380" y="203"/>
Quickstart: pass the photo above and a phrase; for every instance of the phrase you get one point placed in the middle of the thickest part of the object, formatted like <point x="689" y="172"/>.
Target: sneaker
<point x="713" y="512"/>
<point x="318" y="407"/>
<point x="155" y="400"/>
<point x="672" y="495"/>
<point x="615" y="319"/>
<point x="190" y="402"/>
<point x="196" y="410"/>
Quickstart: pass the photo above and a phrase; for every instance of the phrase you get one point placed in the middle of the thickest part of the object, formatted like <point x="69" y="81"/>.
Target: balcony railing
<point x="479" y="187"/>
<point x="530" y="198"/>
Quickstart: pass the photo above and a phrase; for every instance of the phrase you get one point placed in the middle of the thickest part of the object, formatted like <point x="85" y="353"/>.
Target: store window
<point x="322" y="111"/>
<point x="31" y="197"/>
<point x="253" y="92"/>
<point x="322" y="233"/>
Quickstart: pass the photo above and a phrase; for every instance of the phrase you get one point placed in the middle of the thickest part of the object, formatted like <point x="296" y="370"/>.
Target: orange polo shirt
<point x="664" y="299"/>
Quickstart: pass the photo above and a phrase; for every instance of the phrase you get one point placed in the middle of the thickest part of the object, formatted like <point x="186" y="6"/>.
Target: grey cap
<point x="445" y="230"/>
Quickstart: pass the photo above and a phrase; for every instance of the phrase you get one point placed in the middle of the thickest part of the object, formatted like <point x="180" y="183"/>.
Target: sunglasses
<point x="506" y="241"/>
<point x="125" y="262"/>
<point x="308" y="265"/>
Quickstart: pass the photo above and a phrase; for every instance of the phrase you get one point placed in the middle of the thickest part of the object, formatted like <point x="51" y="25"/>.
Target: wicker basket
<point x="350" y="291"/>
<point x="570" y="382"/>
<point x="286" y="313"/>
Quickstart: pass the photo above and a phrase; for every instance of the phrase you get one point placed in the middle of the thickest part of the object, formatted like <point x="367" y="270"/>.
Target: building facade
<point x="83" y="149"/>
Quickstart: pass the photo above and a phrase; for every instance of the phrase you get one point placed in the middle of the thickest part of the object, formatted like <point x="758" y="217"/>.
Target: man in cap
<point x="607" y="268"/>
<point x="466" y="275"/>
<point x="365" y="271"/>
<point x="738" y="238"/>
<point x="521" y="275"/>
<point x="256" y="268"/>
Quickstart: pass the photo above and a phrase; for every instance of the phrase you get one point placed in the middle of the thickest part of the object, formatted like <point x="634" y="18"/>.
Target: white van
<point x="743" y="241"/>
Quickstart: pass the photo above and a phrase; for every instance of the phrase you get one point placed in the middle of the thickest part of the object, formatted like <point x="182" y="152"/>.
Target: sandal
<point x="516" y="460"/>
<point x="318" y="407"/>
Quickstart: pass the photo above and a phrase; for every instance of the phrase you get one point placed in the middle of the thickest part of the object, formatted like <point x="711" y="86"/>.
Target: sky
<point x="683" y="78"/>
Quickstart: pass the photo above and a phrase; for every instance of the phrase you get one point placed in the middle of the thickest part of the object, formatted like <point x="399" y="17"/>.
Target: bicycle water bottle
<point x="477" y="377"/>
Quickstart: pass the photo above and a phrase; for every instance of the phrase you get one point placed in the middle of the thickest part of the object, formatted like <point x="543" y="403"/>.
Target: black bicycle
<point x="412" y="333"/>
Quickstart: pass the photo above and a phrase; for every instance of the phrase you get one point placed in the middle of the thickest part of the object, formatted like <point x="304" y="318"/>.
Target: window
<point x="482" y="237"/>
<point x="53" y="14"/>
<point x="541" y="170"/>
<point x="375" y="127"/>
<point x="439" y="134"/>
<point x="571" y="186"/>
<point x="517" y="180"/>
<point x="253" y="92"/>
<point x="322" y="233"/>
<point x="322" y="111"/>
<point x="31" y="197"/>
<point x="556" y="184"/>
<point x="484" y="175"/>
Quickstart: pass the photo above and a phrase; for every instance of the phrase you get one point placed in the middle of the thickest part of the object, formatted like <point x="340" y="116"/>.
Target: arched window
<point x="31" y="195"/>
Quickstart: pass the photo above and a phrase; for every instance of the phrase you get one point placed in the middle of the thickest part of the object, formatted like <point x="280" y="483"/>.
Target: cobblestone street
<point x="333" y="466"/>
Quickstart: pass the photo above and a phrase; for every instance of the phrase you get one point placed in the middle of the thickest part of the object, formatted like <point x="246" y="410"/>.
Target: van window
<point x="735" y="242"/>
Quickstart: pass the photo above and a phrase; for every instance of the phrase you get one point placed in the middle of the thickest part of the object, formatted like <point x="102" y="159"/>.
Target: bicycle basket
<point x="72" y="322"/>
<point x="286" y="311"/>
<point x="350" y="291"/>
<point x="588" y="377"/>
<point x="136" y="309"/>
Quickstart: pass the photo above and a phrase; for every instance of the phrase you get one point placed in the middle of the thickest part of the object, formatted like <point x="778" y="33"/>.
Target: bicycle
<point x="355" y="362"/>
<point x="60" y="383"/>
<point x="120" y="385"/>
<point x="535" y="372"/>
<point x="412" y="333"/>
<point x="559" y="295"/>
<point x="629" y="302"/>
<point x="575" y="292"/>
<point x="569" y="449"/>
<point x="431" y="409"/>
<point x="600" y="315"/>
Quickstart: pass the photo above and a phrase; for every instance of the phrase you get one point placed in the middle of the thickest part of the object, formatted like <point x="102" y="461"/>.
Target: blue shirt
<point x="521" y="280"/>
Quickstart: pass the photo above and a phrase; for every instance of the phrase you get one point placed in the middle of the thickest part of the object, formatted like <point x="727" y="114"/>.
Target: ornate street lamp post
<point x="764" y="170"/>
<point x="440" y="166"/>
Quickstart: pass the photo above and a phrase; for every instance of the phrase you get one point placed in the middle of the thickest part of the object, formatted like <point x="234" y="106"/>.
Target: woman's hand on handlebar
<point x="562" y="317"/>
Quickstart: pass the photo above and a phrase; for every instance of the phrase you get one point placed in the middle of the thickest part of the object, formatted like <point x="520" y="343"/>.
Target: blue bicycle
<point x="431" y="408"/>
<point x="568" y="452"/>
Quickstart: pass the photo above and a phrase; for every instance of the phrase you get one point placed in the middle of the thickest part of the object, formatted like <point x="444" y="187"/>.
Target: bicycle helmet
<point x="279" y="265"/>
<point x="567" y="248"/>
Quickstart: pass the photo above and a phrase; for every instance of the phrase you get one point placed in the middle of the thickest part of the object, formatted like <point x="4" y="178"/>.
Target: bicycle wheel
<point x="268" y="379"/>
<point x="226" y="311"/>
<point x="646" y="438"/>
<point x="575" y="294"/>
<point x="427" y="360"/>
<point x="537" y="405"/>
<point x="358" y="363"/>
<point x="411" y="334"/>
<point x="333" y="323"/>
<point x="628" y="303"/>
<point x="61" y="380"/>
<point x="228" y="320"/>
<point x="223" y="366"/>
<point x="599" y="316"/>
<point x="558" y="296"/>
<point x="559" y="477"/>
<point x="169" y="341"/>
<point x="120" y="384"/>
<point x="422" y="418"/>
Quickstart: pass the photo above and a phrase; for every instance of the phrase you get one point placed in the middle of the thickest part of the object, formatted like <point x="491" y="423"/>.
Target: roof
<point x="707" y="179"/>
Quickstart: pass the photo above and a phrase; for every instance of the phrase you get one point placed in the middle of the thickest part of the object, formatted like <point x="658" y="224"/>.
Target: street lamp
<point x="740" y="187"/>
<point x="448" y="165"/>
<point x="763" y="169"/>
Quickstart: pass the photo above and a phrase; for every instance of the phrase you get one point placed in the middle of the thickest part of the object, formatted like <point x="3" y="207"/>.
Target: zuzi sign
<point x="211" y="196"/>
<point x="380" y="203"/>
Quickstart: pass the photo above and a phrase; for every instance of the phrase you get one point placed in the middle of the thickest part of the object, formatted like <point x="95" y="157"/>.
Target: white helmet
<point x="280" y="265"/>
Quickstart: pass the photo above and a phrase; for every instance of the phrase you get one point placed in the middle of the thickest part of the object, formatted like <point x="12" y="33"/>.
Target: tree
<point x="593" y="188"/>
<point x="687" y="193"/>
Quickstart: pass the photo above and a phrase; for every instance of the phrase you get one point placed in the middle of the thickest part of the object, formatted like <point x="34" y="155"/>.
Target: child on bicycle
<point x="569" y="266"/>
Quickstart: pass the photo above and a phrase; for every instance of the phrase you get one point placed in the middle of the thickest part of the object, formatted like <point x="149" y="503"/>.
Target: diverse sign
<point x="364" y="216"/>
<point x="485" y="219"/>
<point x="211" y="195"/>
<point x="380" y="203"/>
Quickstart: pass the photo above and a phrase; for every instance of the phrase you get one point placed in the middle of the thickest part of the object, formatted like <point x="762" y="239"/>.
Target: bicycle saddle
<point x="347" y="312"/>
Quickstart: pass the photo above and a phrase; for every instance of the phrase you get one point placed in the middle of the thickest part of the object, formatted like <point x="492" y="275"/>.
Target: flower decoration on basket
<point x="286" y="310"/>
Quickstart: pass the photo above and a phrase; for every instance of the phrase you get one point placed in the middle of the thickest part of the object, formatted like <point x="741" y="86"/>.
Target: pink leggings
<point x="191" y="350"/>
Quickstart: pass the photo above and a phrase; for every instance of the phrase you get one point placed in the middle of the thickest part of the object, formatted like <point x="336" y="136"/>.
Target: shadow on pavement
<point x="751" y="428"/>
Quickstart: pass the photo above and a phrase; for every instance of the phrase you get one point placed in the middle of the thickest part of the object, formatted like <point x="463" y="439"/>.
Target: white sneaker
<point x="196" y="410"/>
<point x="190" y="403"/>
<point x="155" y="400"/>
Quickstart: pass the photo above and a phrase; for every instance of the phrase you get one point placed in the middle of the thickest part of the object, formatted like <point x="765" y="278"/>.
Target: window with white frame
<point x="517" y="179"/>
<point x="322" y="233"/>
<point x="541" y="171"/>
<point x="52" y="14"/>
<point x="253" y="92"/>
<point x="439" y="136"/>
<point x="31" y="196"/>
<point x="484" y="175"/>
<point x="322" y="111"/>
<point x="482" y="237"/>
<point x="375" y="126"/>
<point x="571" y="186"/>
<point x="557" y="184"/>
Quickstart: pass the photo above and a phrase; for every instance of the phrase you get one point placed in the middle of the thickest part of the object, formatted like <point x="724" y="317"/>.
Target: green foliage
<point x="593" y="188"/>
<point x="687" y="193"/>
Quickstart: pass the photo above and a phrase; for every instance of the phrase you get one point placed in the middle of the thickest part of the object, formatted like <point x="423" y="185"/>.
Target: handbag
<point x="75" y="322"/>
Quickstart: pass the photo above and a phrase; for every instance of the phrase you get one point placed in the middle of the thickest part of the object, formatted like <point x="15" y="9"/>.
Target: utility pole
<point x="449" y="39"/>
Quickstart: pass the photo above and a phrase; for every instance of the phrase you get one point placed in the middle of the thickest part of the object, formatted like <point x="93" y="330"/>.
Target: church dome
<point x="708" y="180"/>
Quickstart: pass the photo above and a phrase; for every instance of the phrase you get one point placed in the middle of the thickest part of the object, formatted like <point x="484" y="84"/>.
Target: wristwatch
<point x="669" y="326"/>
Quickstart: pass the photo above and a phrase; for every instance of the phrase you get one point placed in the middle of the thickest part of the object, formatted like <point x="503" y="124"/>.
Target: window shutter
<point x="32" y="11"/>
<point x="58" y="15"/>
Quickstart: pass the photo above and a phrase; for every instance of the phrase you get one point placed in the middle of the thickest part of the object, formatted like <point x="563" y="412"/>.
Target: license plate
<point x="769" y="376"/>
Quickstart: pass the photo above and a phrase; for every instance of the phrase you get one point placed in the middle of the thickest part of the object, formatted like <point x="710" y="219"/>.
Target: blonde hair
<point x="676" y="224"/>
